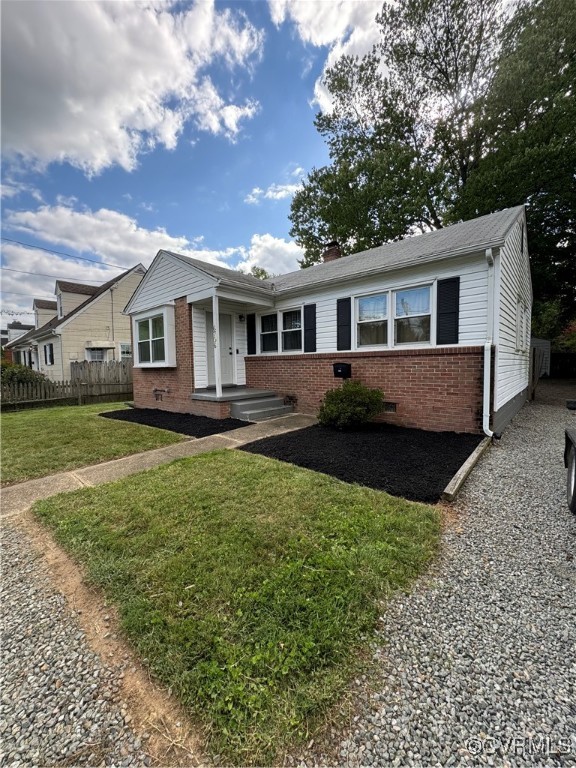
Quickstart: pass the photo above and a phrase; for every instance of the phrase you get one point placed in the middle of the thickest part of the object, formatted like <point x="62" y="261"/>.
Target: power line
<point x="34" y="296"/>
<point x="14" y="312"/>
<point x="57" y="277"/>
<point x="61" y="253"/>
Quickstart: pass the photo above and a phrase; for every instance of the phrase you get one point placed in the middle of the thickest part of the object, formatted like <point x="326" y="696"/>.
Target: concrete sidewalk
<point x="20" y="497"/>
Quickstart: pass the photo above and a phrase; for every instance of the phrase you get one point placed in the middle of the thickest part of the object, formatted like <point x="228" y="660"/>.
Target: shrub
<point x="351" y="405"/>
<point x="12" y="373"/>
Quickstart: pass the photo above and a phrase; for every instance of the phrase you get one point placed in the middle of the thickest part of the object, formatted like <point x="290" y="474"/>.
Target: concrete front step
<point x="261" y="414"/>
<point x="259" y="408"/>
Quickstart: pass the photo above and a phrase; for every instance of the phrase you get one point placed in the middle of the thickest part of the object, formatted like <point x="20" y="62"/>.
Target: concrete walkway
<point x="20" y="497"/>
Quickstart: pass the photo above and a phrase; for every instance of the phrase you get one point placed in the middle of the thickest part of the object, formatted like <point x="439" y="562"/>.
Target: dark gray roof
<point x="87" y="290"/>
<point x="228" y="276"/>
<point x="466" y="237"/>
<point x="476" y="234"/>
<point x="17" y="325"/>
<point x="52" y="324"/>
<point x="44" y="304"/>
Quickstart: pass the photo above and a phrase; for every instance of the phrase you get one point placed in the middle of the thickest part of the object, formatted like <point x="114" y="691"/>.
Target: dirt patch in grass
<point x="183" y="423"/>
<point x="173" y="738"/>
<point x="411" y="463"/>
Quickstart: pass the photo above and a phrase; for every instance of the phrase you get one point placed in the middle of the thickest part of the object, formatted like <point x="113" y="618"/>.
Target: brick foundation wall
<point x="179" y="381"/>
<point x="435" y="389"/>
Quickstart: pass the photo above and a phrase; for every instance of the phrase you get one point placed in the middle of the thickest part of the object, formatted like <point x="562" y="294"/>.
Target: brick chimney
<point x="332" y="252"/>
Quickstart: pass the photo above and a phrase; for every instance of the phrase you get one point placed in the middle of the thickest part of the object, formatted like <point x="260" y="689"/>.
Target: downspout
<point x="488" y="347"/>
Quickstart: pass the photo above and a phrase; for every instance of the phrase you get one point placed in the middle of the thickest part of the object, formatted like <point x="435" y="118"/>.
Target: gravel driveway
<point x="479" y="664"/>
<point x="58" y="702"/>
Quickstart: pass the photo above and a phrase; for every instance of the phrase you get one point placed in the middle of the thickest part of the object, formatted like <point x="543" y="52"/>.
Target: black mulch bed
<point x="184" y="423"/>
<point x="411" y="463"/>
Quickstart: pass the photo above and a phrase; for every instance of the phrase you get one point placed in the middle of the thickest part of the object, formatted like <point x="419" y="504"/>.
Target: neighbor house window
<point x="412" y="315"/>
<point x="269" y="333"/>
<point x="97" y="355"/>
<point x="49" y="354"/>
<point x="151" y="348"/>
<point x="372" y="322"/>
<point x="292" y="330"/>
<point x="59" y="305"/>
<point x="125" y="351"/>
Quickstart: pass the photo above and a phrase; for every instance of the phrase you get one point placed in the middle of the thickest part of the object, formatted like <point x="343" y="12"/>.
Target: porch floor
<point x="231" y="393"/>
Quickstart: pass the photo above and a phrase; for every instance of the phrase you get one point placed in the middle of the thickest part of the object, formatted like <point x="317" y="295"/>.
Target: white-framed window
<point x="151" y="347"/>
<point x="372" y="320"/>
<point x="269" y="333"/>
<point x="59" y="305"/>
<point x="412" y="315"/>
<point x="281" y="330"/>
<point x="292" y="330"/>
<point x="394" y="317"/>
<point x="49" y="354"/>
<point x="154" y="338"/>
<point x="125" y="351"/>
<point x="97" y="354"/>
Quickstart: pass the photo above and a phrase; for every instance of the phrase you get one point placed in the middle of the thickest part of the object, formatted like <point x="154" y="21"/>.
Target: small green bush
<point x="12" y="373"/>
<point x="351" y="405"/>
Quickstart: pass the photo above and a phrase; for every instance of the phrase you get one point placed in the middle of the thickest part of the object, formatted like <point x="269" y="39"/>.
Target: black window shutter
<point x="46" y="353"/>
<point x="448" y="309"/>
<point x="251" y="331"/>
<point x="310" y="328"/>
<point x="344" y="323"/>
<point x="51" y="353"/>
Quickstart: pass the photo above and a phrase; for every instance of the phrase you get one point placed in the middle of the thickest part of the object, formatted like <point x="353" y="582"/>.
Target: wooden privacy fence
<point x="91" y="382"/>
<point x="40" y="393"/>
<point x="114" y="372"/>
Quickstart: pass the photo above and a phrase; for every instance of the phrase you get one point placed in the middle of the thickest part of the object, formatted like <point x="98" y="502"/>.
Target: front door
<point x="226" y="349"/>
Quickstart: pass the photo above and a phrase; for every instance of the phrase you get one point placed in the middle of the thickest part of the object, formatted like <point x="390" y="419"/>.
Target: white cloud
<point x="112" y="236"/>
<point x="346" y="27"/>
<point x="97" y="83"/>
<point x="46" y="268"/>
<point x="273" y="192"/>
<point x="274" y="254"/>
<point x="11" y="188"/>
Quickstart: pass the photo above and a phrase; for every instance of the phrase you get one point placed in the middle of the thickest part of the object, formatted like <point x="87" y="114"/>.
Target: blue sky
<point x="133" y="126"/>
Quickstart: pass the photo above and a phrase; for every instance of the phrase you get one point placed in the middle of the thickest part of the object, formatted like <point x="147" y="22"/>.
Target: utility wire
<point x="57" y="277"/>
<point x="61" y="253"/>
<point x="34" y="296"/>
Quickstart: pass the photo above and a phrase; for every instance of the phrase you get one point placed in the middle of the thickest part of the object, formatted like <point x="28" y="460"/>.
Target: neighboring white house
<point x="440" y="322"/>
<point x="84" y="323"/>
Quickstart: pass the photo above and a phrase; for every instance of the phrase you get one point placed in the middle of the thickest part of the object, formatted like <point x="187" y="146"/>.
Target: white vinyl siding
<point x="473" y="301"/>
<point x="514" y="306"/>
<point x="199" y="347"/>
<point x="169" y="279"/>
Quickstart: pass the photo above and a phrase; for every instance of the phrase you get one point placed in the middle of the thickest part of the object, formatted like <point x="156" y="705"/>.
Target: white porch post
<point x="216" y="334"/>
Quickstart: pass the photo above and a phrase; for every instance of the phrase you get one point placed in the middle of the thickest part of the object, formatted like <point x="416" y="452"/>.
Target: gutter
<point x="488" y="348"/>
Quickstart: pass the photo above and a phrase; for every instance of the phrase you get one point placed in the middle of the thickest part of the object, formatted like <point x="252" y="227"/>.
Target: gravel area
<point x="479" y="663"/>
<point x="59" y="704"/>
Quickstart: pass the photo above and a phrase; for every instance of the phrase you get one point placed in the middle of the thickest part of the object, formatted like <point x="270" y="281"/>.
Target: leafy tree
<point x="403" y="133"/>
<point x="530" y="117"/>
<point x="260" y="273"/>
<point x="457" y="112"/>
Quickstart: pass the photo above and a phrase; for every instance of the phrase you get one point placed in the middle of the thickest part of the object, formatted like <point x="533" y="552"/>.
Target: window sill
<point x="145" y="366"/>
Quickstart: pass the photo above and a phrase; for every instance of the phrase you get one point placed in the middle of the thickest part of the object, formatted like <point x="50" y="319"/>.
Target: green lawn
<point x="249" y="585"/>
<point x="42" y="441"/>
